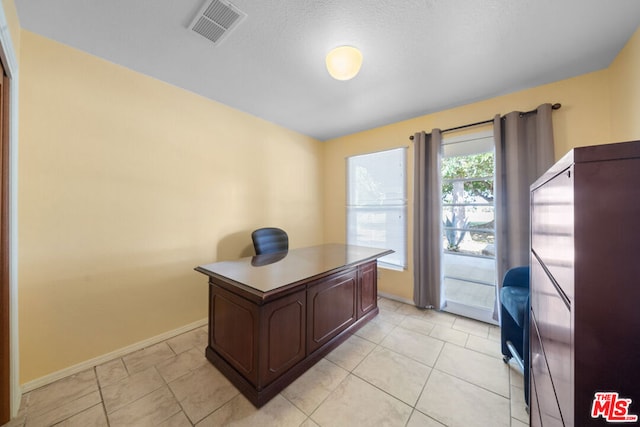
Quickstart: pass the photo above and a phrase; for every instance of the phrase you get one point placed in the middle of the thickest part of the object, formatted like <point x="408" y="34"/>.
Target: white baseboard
<point x="88" y="364"/>
<point x="395" y="298"/>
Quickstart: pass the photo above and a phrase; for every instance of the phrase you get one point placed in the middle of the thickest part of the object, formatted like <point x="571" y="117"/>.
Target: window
<point x="467" y="197"/>
<point x="377" y="204"/>
<point x="468" y="225"/>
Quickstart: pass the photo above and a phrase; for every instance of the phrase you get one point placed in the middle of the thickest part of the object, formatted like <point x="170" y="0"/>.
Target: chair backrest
<point x="270" y="240"/>
<point x="517" y="276"/>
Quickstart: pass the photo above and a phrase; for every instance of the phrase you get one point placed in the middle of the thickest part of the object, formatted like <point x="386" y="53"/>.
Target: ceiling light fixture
<point x="344" y="62"/>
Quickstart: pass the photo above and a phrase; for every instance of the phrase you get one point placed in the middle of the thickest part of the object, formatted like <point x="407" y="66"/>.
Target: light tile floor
<point x="406" y="367"/>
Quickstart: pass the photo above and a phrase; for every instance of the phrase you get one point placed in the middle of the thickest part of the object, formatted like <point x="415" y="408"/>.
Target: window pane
<point x="467" y="198"/>
<point x="379" y="227"/>
<point x="377" y="178"/>
<point x="477" y="191"/>
<point x="469" y="229"/>
<point x="478" y="165"/>
<point x="377" y="203"/>
<point x="482" y="144"/>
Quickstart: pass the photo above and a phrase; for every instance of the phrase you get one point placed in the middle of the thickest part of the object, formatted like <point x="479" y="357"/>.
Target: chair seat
<point x="514" y="300"/>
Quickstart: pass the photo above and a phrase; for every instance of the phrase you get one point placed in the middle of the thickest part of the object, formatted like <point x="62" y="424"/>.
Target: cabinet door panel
<point x="233" y="326"/>
<point x="368" y="291"/>
<point x="331" y="308"/>
<point x="283" y="332"/>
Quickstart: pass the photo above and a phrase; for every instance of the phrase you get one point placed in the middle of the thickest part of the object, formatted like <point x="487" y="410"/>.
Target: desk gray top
<point x="266" y="273"/>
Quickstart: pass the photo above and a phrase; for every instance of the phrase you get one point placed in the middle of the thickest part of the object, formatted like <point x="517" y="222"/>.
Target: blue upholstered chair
<point x="514" y="300"/>
<point x="270" y="240"/>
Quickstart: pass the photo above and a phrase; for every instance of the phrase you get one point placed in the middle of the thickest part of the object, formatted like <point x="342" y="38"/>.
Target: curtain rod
<point x="553" y="107"/>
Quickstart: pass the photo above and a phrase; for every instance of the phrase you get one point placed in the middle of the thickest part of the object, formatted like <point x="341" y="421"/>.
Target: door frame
<point x="10" y="64"/>
<point x="5" y="306"/>
<point x="473" y="312"/>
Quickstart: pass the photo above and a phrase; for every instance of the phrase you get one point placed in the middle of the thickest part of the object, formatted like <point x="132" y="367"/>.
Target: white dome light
<point x="344" y="62"/>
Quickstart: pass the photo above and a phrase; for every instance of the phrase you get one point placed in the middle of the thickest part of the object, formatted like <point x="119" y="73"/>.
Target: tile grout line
<point x="49" y="409"/>
<point x="424" y="386"/>
<point x="178" y="401"/>
<point x="166" y="384"/>
<point x="104" y="408"/>
<point x="327" y="396"/>
<point x="175" y="379"/>
<point x="129" y="374"/>
<point x="431" y="369"/>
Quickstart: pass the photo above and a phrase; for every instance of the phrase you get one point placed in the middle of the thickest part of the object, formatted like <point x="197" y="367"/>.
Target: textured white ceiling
<point x="420" y="56"/>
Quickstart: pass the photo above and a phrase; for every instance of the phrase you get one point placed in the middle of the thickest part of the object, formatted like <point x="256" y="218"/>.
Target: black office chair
<point x="514" y="301"/>
<point x="270" y="240"/>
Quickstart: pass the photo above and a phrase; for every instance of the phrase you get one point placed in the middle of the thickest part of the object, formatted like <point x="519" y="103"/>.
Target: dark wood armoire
<point x="585" y="288"/>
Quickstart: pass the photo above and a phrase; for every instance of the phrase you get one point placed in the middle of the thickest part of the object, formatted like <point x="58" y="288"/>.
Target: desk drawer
<point x="552" y="225"/>
<point x="545" y="394"/>
<point x="554" y="327"/>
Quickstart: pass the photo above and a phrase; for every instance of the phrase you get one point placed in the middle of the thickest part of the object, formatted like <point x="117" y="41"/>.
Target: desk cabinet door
<point x="367" y="289"/>
<point x="233" y="327"/>
<point x="331" y="308"/>
<point x="283" y="336"/>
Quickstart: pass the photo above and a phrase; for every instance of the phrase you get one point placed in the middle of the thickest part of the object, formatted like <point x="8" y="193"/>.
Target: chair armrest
<point x="517" y="276"/>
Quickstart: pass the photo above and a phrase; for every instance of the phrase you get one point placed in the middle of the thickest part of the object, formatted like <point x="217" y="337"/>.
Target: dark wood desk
<point x="272" y="317"/>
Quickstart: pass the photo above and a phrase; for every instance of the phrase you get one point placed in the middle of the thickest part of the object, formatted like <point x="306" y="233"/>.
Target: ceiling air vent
<point x="216" y="19"/>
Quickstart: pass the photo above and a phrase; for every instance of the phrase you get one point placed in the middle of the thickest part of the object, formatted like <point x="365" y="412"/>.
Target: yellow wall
<point x="125" y="185"/>
<point x="597" y="108"/>
<point x="625" y="92"/>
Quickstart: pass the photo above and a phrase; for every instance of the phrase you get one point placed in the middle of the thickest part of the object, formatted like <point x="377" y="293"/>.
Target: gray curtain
<point x="427" y="237"/>
<point x="524" y="151"/>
